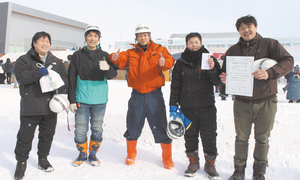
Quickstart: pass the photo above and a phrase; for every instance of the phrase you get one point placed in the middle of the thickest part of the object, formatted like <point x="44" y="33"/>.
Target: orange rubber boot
<point x="167" y="155"/>
<point x="82" y="148"/>
<point x="131" y="152"/>
<point x="94" y="148"/>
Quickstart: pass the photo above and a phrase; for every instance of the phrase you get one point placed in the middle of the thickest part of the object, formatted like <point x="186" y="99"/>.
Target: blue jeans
<point x="86" y="113"/>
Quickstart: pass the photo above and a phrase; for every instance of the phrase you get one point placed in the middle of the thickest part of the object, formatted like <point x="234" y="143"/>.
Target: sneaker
<point x="237" y="175"/>
<point x="45" y="165"/>
<point x="94" y="160"/>
<point x="82" y="157"/>
<point x="258" y="177"/>
<point x="20" y="170"/>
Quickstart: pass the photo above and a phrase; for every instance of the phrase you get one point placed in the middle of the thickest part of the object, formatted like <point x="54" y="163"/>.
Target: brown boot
<point x="194" y="164"/>
<point x="82" y="148"/>
<point x="94" y="148"/>
<point x="131" y="152"/>
<point x="209" y="166"/>
<point x="167" y="155"/>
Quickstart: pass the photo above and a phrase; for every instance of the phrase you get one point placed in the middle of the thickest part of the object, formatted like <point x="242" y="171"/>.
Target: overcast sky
<point x="117" y="19"/>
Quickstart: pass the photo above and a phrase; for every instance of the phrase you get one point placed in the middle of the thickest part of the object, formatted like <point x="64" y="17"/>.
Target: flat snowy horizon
<point x="284" y="151"/>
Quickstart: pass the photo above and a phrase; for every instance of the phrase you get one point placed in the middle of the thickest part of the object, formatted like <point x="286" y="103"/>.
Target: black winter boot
<point x="258" y="177"/>
<point x="194" y="164"/>
<point x="258" y="172"/>
<point x="20" y="170"/>
<point x="45" y="165"/>
<point x="239" y="173"/>
<point x="210" y="168"/>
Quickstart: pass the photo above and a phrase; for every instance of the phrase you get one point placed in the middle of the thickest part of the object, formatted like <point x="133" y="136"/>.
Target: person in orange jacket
<point x="145" y="62"/>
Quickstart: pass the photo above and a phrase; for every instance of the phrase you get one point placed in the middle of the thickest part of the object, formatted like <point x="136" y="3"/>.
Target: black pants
<point x="25" y="135"/>
<point x="2" y="78"/>
<point x="8" y="77"/>
<point x="203" y="122"/>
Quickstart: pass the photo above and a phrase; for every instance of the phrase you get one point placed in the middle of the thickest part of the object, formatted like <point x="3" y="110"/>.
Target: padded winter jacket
<point x="144" y="72"/>
<point x="260" y="47"/>
<point x="33" y="101"/>
<point x="87" y="83"/>
<point x="191" y="87"/>
<point x="294" y="89"/>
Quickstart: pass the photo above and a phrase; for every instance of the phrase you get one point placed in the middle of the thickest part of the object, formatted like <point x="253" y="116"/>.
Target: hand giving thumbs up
<point x="116" y="55"/>
<point x="103" y="65"/>
<point x="161" y="60"/>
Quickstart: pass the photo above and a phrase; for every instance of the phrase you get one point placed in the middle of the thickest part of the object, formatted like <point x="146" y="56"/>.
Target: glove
<point x="186" y="122"/>
<point x="73" y="108"/>
<point x="43" y="71"/>
<point x="173" y="112"/>
<point x="103" y="65"/>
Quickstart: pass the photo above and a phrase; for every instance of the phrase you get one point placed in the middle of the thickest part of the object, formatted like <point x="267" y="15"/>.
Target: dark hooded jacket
<point x="33" y="101"/>
<point x="191" y="87"/>
<point x="260" y="47"/>
<point x="8" y="66"/>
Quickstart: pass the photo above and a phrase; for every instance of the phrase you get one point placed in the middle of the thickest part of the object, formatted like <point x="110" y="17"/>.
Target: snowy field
<point x="284" y="155"/>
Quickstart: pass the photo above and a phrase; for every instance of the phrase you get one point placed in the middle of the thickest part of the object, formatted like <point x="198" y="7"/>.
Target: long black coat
<point x="33" y="101"/>
<point x="191" y="87"/>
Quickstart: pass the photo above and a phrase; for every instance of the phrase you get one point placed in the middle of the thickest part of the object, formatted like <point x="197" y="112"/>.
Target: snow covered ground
<point x="284" y="152"/>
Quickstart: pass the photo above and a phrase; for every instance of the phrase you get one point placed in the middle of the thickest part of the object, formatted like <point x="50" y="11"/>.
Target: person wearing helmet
<point x="192" y="90"/>
<point x="35" y="110"/>
<point x="89" y="70"/>
<point x="260" y="109"/>
<point x="145" y="63"/>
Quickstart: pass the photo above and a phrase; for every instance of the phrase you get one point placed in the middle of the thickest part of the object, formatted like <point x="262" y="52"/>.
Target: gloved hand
<point x="173" y="112"/>
<point x="187" y="123"/>
<point x="73" y="107"/>
<point x="103" y="65"/>
<point x="44" y="71"/>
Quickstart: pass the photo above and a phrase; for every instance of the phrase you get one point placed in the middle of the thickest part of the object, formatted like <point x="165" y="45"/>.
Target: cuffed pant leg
<point x="46" y="132"/>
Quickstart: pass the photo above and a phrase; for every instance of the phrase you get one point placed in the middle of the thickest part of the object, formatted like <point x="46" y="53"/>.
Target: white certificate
<point x="205" y="57"/>
<point x="239" y="79"/>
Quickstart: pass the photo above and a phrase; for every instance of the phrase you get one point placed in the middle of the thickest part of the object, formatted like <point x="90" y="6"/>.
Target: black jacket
<point x="85" y="64"/>
<point x="191" y="87"/>
<point x="8" y="66"/>
<point x="260" y="48"/>
<point x="33" y="101"/>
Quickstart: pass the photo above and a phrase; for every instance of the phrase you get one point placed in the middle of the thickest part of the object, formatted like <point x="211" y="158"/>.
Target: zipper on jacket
<point x="248" y="49"/>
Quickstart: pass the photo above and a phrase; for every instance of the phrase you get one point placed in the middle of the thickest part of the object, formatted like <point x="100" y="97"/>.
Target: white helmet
<point x="264" y="63"/>
<point x="59" y="103"/>
<point x="142" y="28"/>
<point x="91" y="27"/>
<point x="175" y="128"/>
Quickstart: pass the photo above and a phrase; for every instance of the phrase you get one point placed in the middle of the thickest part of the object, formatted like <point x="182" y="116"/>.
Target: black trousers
<point x="25" y="135"/>
<point x="8" y="78"/>
<point x="2" y="78"/>
<point x="204" y="121"/>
